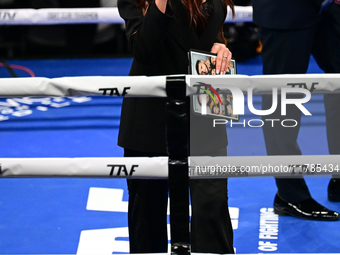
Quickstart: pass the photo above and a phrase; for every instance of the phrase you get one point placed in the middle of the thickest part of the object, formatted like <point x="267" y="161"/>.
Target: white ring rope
<point x="157" y="167"/>
<point x="155" y="86"/>
<point x="140" y="167"/>
<point x="264" y="84"/>
<point x="200" y="167"/>
<point x="87" y="16"/>
<point x="80" y="86"/>
<point x="251" y="166"/>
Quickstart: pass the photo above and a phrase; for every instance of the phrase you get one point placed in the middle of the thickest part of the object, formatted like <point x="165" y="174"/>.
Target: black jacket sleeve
<point x="144" y="33"/>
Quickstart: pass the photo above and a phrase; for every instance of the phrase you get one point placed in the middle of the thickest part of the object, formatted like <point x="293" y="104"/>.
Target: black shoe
<point x="308" y="209"/>
<point x="334" y="190"/>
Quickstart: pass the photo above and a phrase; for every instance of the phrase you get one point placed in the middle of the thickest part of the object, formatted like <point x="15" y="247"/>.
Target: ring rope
<point x="53" y="16"/>
<point x="140" y="167"/>
<point x="199" y="167"/>
<point x="80" y="86"/>
<point x="157" y="167"/>
<point x="155" y="86"/>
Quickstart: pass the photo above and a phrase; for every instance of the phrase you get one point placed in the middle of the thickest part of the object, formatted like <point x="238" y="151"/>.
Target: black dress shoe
<point x="334" y="190"/>
<point x="308" y="209"/>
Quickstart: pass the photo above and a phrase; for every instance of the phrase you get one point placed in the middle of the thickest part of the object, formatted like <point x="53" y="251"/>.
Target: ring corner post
<point x="177" y="146"/>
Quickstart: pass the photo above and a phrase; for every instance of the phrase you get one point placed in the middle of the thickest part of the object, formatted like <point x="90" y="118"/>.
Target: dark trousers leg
<point x="332" y="106"/>
<point x="285" y="52"/>
<point x="326" y="52"/>
<point x="211" y="229"/>
<point x="147" y="213"/>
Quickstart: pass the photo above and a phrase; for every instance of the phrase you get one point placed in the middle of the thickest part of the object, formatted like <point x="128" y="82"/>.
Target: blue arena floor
<point x="89" y="215"/>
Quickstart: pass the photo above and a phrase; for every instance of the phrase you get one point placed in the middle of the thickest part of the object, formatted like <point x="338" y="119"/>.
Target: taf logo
<point x="122" y="170"/>
<point x="114" y="91"/>
<point x="7" y="15"/>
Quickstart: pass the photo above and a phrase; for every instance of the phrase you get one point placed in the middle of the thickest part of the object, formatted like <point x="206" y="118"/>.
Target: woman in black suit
<point x="160" y="33"/>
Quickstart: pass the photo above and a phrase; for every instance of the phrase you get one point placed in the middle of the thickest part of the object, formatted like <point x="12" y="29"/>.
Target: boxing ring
<point x="160" y="86"/>
<point x="176" y="88"/>
<point x="177" y="167"/>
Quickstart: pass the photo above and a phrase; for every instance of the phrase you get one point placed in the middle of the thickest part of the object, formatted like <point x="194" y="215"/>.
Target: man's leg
<point x="326" y="51"/>
<point x="285" y="52"/>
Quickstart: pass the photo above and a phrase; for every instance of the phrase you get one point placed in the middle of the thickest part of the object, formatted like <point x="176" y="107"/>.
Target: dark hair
<point x="197" y="66"/>
<point x="211" y="64"/>
<point x="196" y="13"/>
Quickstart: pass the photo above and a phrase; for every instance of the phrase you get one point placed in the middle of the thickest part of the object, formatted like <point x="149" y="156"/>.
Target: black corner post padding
<point x="178" y="148"/>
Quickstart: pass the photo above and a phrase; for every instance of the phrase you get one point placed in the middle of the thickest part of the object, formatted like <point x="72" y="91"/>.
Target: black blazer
<point x="160" y="43"/>
<point x="273" y="13"/>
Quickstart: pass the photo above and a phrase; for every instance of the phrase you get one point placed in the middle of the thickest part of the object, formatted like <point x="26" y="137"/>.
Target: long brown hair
<point x="194" y="7"/>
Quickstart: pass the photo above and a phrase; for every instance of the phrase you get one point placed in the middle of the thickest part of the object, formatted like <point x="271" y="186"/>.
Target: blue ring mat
<point x="52" y="215"/>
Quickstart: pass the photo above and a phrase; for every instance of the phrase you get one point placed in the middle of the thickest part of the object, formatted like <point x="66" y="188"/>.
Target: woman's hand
<point x="223" y="57"/>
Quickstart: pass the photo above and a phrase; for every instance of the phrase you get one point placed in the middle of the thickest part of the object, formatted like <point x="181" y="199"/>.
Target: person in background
<point x="290" y="32"/>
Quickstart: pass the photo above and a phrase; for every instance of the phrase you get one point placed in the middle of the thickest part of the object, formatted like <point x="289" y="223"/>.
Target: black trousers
<point x="211" y="229"/>
<point x="288" y="52"/>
